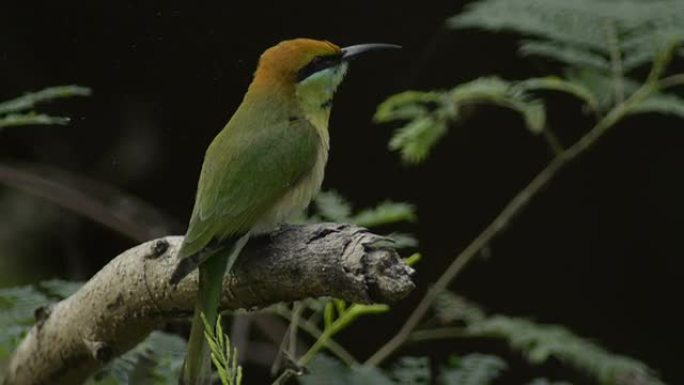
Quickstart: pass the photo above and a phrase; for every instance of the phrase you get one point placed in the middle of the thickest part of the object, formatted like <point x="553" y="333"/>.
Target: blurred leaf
<point x="31" y="118"/>
<point x="60" y="288"/>
<point x="553" y="83"/>
<point x="539" y="343"/>
<point x="324" y="370"/>
<point x="450" y="307"/>
<point x="661" y="104"/>
<point x="411" y="371"/>
<point x="402" y="240"/>
<point x="155" y="361"/>
<point x="583" y="33"/>
<point x="332" y="206"/>
<point x="473" y="369"/>
<point x="30" y="100"/>
<point x="565" y="54"/>
<point x="427" y="115"/>
<point x="17" y="308"/>
<point x="415" y="140"/>
<point x="385" y="213"/>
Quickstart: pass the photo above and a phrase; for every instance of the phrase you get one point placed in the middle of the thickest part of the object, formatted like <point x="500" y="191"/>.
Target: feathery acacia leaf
<point x="538" y="343"/>
<point x="473" y="369"/>
<point x="30" y="100"/>
<point x="583" y="33"/>
<point x="661" y="104"/>
<point x="427" y="115"/>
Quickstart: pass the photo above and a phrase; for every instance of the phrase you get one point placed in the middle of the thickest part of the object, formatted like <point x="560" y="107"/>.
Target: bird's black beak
<point x="353" y="51"/>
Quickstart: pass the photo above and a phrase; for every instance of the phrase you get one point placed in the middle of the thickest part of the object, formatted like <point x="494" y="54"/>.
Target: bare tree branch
<point x="131" y="296"/>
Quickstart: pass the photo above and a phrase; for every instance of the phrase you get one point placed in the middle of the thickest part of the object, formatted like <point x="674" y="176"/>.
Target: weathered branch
<point x="130" y="296"/>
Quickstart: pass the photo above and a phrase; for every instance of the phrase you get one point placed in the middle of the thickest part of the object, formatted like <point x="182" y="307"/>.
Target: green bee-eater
<point x="265" y="165"/>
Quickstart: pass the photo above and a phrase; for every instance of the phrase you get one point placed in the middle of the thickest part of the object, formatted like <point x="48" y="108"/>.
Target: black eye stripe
<point x="316" y="64"/>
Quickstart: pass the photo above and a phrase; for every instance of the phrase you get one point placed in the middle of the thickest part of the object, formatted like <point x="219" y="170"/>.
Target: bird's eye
<point x="316" y="64"/>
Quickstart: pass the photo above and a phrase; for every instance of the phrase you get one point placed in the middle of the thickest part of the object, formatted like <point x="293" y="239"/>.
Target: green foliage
<point x="18" y="306"/>
<point x="324" y="370"/>
<point x="156" y="361"/>
<point x="223" y="355"/>
<point x="584" y="33"/>
<point x="18" y="111"/>
<point x="539" y="343"/>
<point x="473" y="369"/>
<point x="331" y="206"/>
<point x="661" y="104"/>
<point x="411" y="371"/>
<point x="428" y="114"/>
<point x="598" y="41"/>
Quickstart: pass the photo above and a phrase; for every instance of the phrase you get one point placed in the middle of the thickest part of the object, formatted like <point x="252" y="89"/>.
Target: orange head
<point x="289" y="59"/>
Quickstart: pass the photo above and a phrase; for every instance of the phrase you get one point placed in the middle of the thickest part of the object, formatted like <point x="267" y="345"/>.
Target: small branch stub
<point x="131" y="296"/>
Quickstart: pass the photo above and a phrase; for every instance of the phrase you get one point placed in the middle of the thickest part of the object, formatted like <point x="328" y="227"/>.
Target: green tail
<point x="197" y="365"/>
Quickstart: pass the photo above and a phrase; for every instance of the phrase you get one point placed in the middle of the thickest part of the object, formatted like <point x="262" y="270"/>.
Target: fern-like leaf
<point x="661" y="104"/>
<point x="385" y="213"/>
<point x="17" y="112"/>
<point x="473" y="369"/>
<point x="539" y="343"/>
<point x="156" y="361"/>
<point x="324" y="370"/>
<point x="584" y="33"/>
<point x="427" y="115"/>
<point x="411" y="371"/>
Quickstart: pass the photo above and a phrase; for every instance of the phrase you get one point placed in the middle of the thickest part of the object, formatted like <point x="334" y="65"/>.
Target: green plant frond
<point x="600" y="85"/>
<point x="578" y="22"/>
<point x="402" y="240"/>
<point x="538" y="343"/>
<point x="330" y="205"/>
<point x="583" y="33"/>
<point x="407" y="105"/>
<point x="157" y="361"/>
<point x="661" y="104"/>
<point x="411" y="371"/>
<point x="473" y="369"/>
<point x="450" y="307"/>
<point x="60" y="288"/>
<point x="385" y="213"/>
<point x="223" y="354"/>
<point x="415" y="140"/>
<point x="566" y="54"/>
<point x="17" y="307"/>
<point x="325" y="370"/>
<point x="496" y="91"/>
<point x="30" y="100"/>
<point x="554" y="83"/>
<point x="31" y="118"/>
<point x="426" y="126"/>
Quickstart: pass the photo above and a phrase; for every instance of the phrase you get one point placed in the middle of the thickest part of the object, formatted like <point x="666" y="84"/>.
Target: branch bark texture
<point x="131" y="296"/>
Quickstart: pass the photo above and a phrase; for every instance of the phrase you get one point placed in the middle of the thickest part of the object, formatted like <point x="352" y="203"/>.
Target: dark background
<point x="599" y="251"/>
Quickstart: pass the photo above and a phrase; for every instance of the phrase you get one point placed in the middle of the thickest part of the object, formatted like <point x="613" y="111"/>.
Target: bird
<point x="264" y="166"/>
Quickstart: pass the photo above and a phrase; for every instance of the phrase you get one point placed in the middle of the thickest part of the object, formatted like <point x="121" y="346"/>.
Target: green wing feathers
<point x="248" y="167"/>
